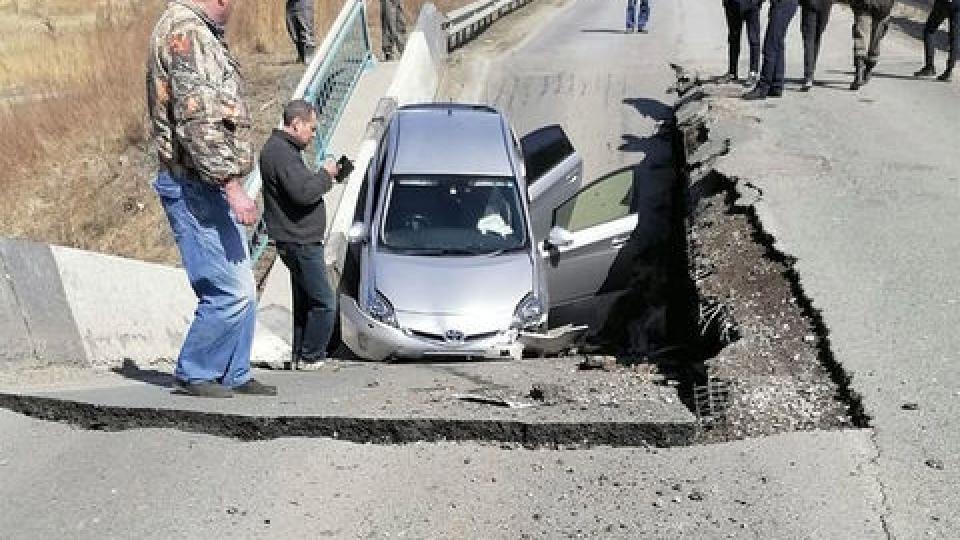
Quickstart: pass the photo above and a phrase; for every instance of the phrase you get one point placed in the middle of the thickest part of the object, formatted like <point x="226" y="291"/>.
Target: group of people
<point x="871" y="21"/>
<point x="201" y="127"/>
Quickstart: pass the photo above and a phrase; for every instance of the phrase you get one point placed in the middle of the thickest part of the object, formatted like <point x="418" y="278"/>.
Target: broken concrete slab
<point x="389" y="402"/>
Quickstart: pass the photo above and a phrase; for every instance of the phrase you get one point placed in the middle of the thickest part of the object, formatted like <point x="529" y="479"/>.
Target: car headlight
<point x="380" y="309"/>
<point x="530" y="312"/>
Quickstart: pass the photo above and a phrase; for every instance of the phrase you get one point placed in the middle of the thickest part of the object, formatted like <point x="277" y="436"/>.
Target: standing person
<point x="393" y="27"/>
<point x="942" y="9"/>
<point x="639" y="11"/>
<point x="742" y="13"/>
<point x="300" y="28"/>
<point x="296" y="219"/>
<point x="814" y="16"/>
<point x="201" y="127"/>
<point x="871" y="19"/>
<point x="774" y="50"/>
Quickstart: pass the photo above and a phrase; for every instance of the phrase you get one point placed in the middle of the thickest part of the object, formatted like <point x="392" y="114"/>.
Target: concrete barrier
<point x="125" y="308"/>
<point x="36" y="323"/>
<point x="64" y="306"/>
<point x="423" y="60"/>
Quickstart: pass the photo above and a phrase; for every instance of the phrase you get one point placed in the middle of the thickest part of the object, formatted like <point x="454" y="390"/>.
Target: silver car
<point x="466" y="238"/>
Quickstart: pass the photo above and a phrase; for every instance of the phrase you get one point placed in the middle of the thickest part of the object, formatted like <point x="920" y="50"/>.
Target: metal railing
<point x="466" y="23"/>
<point x="328" y="83"/>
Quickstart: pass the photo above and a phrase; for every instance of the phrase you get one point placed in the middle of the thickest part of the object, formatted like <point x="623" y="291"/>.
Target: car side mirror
<point x="559" y="237"/>
<point x="357" y="233"/>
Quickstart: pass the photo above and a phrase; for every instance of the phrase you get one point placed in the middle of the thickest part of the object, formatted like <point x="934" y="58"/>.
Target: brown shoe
<point x="254" y="387"/>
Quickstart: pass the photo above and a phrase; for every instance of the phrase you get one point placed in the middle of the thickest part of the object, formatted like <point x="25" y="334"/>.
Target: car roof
<point x="451" y="139"/>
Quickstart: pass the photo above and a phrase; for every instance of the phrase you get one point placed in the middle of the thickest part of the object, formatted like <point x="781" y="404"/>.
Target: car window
<point x="543" y="150"/>
<point x="606" y="200"/>
<point x="456" y="215"/>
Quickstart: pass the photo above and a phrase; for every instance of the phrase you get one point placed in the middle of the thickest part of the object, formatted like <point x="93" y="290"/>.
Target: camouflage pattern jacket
<point x="195" y="97"/>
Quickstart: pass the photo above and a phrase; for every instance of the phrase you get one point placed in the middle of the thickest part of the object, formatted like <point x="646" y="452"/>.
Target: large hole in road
<point x="723" y="314"/>
<point x="711" y="304"/>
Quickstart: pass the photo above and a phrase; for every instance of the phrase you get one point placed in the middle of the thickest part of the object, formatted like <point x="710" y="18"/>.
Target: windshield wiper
<point x="458" y="251"/>
<point x="439" y="251"/>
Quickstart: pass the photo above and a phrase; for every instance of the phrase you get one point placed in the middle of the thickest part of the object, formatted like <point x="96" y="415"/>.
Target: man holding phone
<point x="296" y="219"/>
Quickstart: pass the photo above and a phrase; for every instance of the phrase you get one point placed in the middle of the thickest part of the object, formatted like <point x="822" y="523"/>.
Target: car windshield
<point x="454" y="215"/>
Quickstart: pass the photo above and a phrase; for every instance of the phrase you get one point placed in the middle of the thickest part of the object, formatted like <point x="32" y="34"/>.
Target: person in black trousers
<point x="942" y="10"/>
<point x="296" y="219"/>
<point x="814" y="16"/>
<point x="742" y="13"/>
<point x="774" y="50"/>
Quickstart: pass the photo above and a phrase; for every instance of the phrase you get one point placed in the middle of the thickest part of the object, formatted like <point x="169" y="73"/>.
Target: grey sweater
<point x="292" y="194"/>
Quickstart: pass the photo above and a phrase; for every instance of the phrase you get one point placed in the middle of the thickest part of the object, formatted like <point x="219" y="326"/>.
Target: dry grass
<point x="74" y="167"/>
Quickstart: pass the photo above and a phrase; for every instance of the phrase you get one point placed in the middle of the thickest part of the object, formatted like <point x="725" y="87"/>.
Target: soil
<point x="775" y="377"/>
<point x="110" y="206"/>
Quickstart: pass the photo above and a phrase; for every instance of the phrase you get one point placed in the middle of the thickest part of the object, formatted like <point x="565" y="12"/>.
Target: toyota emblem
<point x="454" y="336"/>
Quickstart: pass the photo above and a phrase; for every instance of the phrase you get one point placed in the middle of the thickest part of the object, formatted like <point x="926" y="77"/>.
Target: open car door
<point x="590" y="249"/>
<point x="554" y="173"/>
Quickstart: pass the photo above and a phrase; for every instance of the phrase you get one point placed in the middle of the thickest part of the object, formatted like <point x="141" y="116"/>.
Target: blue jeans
<point x="639" y="9"/>
<point x="314" y="302"/>
<point x="213" y="247"/>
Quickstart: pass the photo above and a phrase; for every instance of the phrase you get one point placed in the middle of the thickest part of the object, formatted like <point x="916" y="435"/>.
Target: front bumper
<point x="370" y="339"/>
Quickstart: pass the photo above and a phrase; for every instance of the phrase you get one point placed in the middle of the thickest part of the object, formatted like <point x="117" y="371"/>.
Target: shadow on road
<point x="643" y="305"/>
<point x="131" y="370"/>
<point x="602" y="31"/>
<point x="915" y="29"/>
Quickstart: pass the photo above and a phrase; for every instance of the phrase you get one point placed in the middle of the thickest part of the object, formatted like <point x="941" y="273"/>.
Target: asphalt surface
<point x="862" y="189"/>
<point x="64" y="482"/>
<point x="870" y="228"/>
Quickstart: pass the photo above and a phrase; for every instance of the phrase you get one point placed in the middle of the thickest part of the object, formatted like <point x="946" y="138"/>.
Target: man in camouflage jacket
<point x="201" y="128"/>
<point x="871" y="19"/>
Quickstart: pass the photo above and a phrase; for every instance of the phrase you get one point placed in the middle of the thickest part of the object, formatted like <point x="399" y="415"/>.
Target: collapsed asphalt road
<point x="862" y="483"/>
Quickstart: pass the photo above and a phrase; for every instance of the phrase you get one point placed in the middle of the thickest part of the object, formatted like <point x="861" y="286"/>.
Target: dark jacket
<point x="292" y="194"/>
<point x="877" y="8"/>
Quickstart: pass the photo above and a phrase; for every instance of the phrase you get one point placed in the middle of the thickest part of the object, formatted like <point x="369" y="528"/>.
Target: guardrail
<point x="466" y="23"/>
<point x="328" y="83"/>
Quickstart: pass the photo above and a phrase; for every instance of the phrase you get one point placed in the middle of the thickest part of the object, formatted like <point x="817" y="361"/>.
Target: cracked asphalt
<point x="860" y="188"/>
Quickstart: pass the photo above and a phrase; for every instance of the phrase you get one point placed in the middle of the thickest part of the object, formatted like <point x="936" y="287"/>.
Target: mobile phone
<point x="346" y="167"/>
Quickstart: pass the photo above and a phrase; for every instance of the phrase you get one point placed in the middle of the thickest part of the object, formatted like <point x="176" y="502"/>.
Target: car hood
<point x="482" y="286"/>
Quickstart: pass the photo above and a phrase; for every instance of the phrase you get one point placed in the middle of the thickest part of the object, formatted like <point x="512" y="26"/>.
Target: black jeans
<point x="813" y="23"/>
<point x="943" y="11"/>
<point x="738" y="17"/>
<point x="314" y="301"/>
<point x="774" y="48"/>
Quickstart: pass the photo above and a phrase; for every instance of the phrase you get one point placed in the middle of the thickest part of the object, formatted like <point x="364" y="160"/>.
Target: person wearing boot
<point x="871" y="19"/>
<point x="774" y="50"/>
<point x="942" y="9"/>
<point x="300" y="28"/>
<point x="742" y="13"/>
<point x="814" y="16"/>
